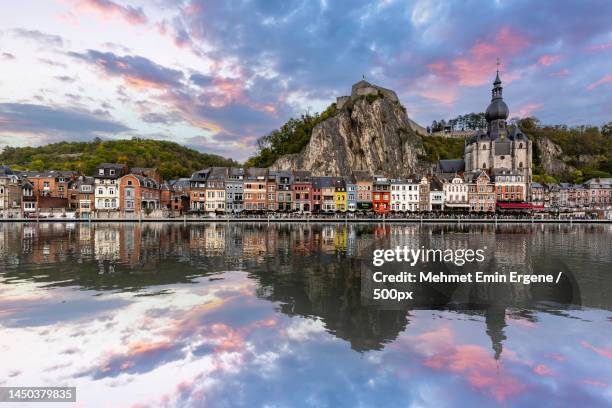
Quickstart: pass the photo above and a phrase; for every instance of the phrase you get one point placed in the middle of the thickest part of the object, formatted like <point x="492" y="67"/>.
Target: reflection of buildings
<point x="312" y="270"/>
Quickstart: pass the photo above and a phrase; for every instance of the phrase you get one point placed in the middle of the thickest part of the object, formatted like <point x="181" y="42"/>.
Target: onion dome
<point x="497" y="109"/>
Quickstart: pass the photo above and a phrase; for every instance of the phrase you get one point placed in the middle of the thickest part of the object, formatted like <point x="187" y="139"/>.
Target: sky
<point x="216" y="75"/>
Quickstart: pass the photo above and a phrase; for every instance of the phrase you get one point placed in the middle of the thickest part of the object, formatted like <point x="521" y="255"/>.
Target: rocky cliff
<point x="551" y="157"/>
<point x="370" y="131"/>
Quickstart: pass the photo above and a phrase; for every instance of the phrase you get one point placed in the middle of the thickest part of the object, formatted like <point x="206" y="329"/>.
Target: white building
<point x="404" y="195"/>
<point x="106" y="186"/>
<point x="455" y="193"/>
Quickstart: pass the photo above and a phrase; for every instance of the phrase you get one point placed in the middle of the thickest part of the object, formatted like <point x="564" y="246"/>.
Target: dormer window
<point x="101" y="172"/>
<point x="111" y="172"/>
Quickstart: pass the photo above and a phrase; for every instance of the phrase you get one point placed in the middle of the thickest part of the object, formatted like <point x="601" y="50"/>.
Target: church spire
<point x="496" y="93"/>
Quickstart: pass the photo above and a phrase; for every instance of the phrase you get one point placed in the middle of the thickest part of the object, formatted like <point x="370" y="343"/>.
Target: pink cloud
<point x="544" y="370"/>
<point x="479" y="368"/>
<point x="477" y="67"/>
<point x="110" y="9"/>
<point x="527" y="110"/>
<point x="549" y="59"/>
<point x="600" y="47"/>
<point x="604" y="352"/>
<point x="596" y="383"/>
<point x="604" y="80"/>
<point x="556" y="356"/>
<point x="561" y="73"/>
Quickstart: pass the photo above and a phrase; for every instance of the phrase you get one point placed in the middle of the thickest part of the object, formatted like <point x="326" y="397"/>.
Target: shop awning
<point x="518" y="206"/>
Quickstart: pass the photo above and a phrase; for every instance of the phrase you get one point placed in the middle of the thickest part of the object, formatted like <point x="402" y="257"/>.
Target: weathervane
<point x="498" y="65"/>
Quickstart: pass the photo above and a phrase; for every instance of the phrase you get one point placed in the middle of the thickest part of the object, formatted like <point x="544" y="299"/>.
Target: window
<point x="101" y="172"/>
<point x="520" y="145"/>
<point x="484" y="147"/>
<point x="520" y="165"/>
<point x="484" y="165"/>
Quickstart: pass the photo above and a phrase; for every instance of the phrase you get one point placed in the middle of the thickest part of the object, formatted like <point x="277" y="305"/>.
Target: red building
<point x="302" y="191"/>
<point x="138" y="193"/>
<point x="381" y="196"/>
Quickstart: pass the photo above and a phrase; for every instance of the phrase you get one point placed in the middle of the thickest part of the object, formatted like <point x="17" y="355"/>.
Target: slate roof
<point x="451" y="166"/>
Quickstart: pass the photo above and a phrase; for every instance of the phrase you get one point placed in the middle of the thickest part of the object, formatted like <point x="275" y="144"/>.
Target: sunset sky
<point x="216" y="75"/>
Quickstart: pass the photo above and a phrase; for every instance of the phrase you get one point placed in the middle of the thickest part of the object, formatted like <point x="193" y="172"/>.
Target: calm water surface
<point x="257" y="315"/>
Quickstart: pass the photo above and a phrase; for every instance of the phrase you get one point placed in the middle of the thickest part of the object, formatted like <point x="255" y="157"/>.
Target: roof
<point x="451" y="166"/>
<point x="472" y="176"/>
<point x="255" y="172"/>
<point x="49" y="173"/>
<point x="236" y="171"/>
<point x="323" y="182"/>
<point x="218" y="173"/>
<point x="502" y="171"/>
<point x="435" y="184"/>
<point x="144" y="181"/>
<point x="200" y="175"/>
<point x="5" y="170"/>
<point x="111" y="166"/>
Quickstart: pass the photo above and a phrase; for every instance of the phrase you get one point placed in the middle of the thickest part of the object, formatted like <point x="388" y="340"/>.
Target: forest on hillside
<point x="172" y="159"/>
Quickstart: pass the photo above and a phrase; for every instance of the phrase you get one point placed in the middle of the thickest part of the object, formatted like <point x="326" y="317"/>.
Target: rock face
<point x="370" y="131"/>
<point x="551" y="157"/>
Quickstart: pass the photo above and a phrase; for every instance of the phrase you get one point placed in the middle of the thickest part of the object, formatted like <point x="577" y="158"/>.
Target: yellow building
<point x="340" y="194"/>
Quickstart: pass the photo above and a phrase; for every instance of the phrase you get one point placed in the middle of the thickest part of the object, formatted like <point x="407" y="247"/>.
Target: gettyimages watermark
<point x="403" y="277"/>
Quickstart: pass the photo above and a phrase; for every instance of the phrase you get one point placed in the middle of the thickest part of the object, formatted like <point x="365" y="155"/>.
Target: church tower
<point x="497" y="111"/>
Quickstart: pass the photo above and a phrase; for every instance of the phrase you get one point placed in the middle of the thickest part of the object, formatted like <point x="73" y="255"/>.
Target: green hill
<point x="172" y="159"/>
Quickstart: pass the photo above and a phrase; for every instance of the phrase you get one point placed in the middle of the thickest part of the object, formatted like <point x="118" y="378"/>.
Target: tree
<point x="37" y="165"/>
<point x="577" y="177"/>
<point x="606" y="129"/>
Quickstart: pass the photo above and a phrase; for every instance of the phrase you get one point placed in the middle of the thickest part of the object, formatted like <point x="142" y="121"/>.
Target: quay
<point x="319" y="220"/>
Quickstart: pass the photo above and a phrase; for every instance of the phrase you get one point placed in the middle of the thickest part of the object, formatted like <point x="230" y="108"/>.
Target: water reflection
<point x="148" y="314"/>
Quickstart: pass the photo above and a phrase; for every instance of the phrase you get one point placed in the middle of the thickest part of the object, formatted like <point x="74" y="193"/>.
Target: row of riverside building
<point x="114" y="190"/>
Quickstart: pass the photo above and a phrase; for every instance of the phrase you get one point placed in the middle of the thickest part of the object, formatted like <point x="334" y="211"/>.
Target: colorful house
<point x="381" y="196"/>
<point x="340" y="194"/>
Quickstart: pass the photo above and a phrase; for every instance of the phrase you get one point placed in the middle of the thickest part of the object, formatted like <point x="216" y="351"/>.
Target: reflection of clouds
<point x="604" y="352"/>
<point x="214" y="343"/>
<point x="480" y="369"/>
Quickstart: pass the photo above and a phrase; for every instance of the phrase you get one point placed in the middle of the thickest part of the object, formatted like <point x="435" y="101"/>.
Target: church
<point x="496" y="151"/>
<point x="497" y="148"/>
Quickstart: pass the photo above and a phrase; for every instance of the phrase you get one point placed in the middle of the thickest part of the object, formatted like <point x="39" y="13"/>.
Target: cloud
<point x="527" y="110"/>
<point x="563" y="72"/>
<point x="42" y="120"/>
<point x="38" y="36"/>
<point x="600" y="47"/>
<point x="65" y="78"/>
<point x="164" y="118"/>
<point x="136" y="71"/>
<point x="110" y="9"/>
<point x="605" y="80"/>
<point x="8" y="56"/>
<point x="548" y="59"/>
<point x="477" y="67"/>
